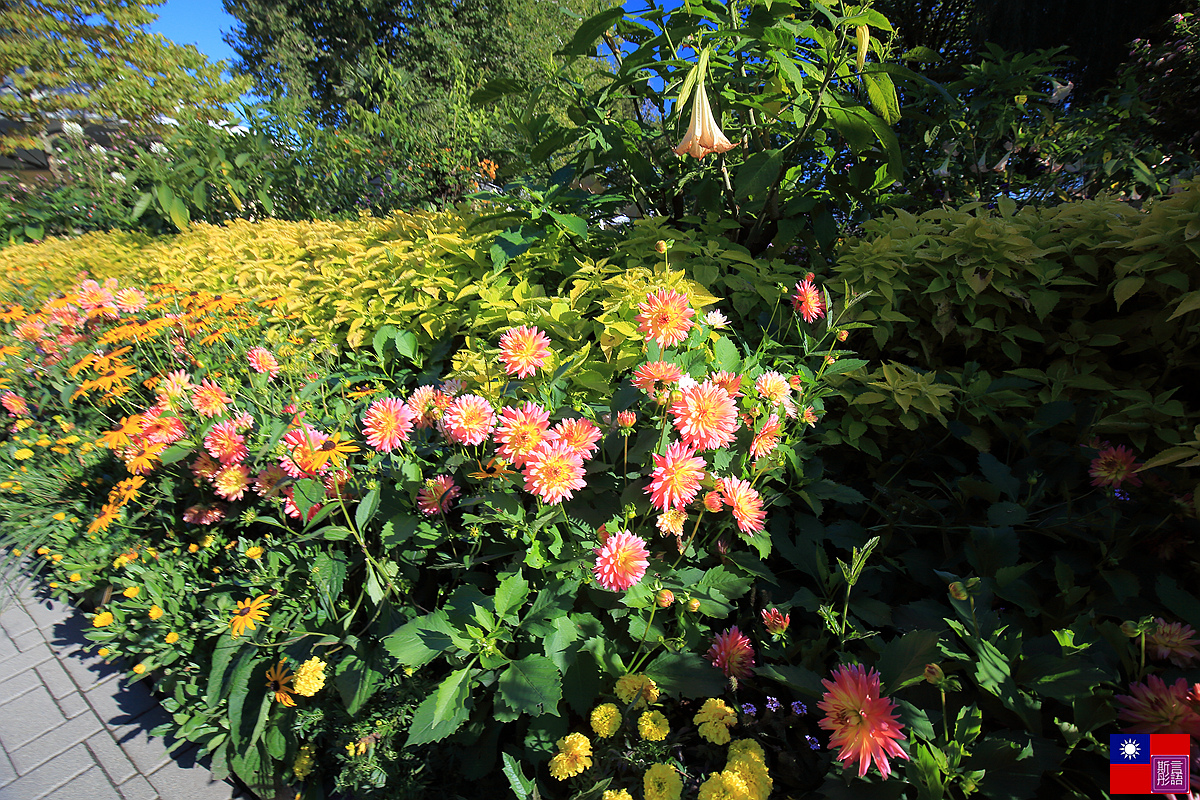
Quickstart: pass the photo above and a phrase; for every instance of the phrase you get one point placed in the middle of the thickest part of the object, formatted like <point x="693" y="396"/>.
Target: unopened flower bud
<point x="693" y="605"/>
<point x="660" y="246"/>
<point x="775" y="621"/>
<point x="1130" y="629"/>
<point x="664" y="598"/>
<point x="934" y="674"/>
<point x="843" y="335"/>
<point x="957" y="590"/>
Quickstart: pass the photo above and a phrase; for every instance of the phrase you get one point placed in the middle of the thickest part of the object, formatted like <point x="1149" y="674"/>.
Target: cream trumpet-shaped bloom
<point x="704" y="135"/>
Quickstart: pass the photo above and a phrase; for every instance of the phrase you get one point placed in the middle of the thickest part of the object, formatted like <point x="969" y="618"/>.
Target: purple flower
<point x="749" y="710"/>
<point x="813" y="744"/>
<point x="799" y="709"/>
<point x="773" y="704"/>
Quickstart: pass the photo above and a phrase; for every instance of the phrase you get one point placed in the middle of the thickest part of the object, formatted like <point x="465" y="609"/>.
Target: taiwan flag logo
<point x="1149" y="763"/>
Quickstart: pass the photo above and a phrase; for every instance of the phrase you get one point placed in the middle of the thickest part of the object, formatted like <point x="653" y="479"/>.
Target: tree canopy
<point x="95" y="58"/>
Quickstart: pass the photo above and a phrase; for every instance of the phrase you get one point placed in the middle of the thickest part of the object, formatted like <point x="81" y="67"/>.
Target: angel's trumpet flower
<point x="704" y="135"/>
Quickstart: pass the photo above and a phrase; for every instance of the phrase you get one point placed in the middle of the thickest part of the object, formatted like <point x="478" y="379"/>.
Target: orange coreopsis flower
<point x="387" y="424"/>
<point x="278" y="680"/>
<point x="665" y="317"/>
<point x="523" y="351"/>
<point x="621" y="561"/>
<point x="676" y="477"/>
<point x="863" y="723"/>
<point x="732" y="653"/>
<point x="521" y="431"/>
<point x="705" y="416"/>
<point x="704" y="135"/>
<point x="248" y="612"/>
<point x="554" y="471"/>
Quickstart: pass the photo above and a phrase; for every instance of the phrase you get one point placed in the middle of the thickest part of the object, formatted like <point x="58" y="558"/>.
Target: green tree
<point x="327" y="54"/>
<point x="94" y="58"/>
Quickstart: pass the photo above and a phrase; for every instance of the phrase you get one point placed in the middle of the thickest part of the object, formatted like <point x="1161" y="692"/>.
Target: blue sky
<point x="198" y="22"/>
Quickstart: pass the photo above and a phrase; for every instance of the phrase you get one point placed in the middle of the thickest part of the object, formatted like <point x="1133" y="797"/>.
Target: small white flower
<point x="158" y="148"/>
<point x="97" y="149"/>
<point x="118" y="178"/>
<point x="73" y="130"/>
<point x="687" y="382"/>
<point x="715" y="319"/>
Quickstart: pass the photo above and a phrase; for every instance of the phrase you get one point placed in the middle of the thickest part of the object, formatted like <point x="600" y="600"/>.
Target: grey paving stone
<point x="73" y="705"/>
<point x="8" y="773"/>
<point x="86" y="669"/>
<point x="55" y="678"/>
<point x="54" y="773"/>
<point x="17" y="683"/>
<point x="15" y="620"/>
<point x="112" y="759"/>
<point x="7" y="649"/>
<point x="47" y="613"/>
<point x="138" y="788"/>
<point x="52" y="743"/>
<point x="118" y="704"/>
<point x="147" y="753"/>
<point x="29" y="640"/>
<point x="21" y="661"/>
<point x="28" y="716"/>
<point x="91" y="785"/>
<point x="196" y="783"/>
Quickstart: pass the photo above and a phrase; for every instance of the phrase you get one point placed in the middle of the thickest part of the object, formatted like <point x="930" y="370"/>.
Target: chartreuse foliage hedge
<point x="1093" y="303"/>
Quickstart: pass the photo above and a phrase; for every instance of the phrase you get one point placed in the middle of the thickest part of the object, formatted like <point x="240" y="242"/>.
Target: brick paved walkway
<point x="70" y="728"/>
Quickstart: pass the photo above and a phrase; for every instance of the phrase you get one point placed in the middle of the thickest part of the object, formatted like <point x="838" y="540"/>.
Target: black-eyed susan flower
<point x="249" y="612"/>
<point x="278" y="679"/>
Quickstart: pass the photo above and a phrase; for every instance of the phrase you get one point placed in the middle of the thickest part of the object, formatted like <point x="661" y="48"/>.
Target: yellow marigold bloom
<point x="103" y="652"/>
<point x="662" y="782"/>
<point x="139" y="668"/>
<point x="747" y="749"/>
<point x="102" y="619"/>
<point x="155" y="612"/>
<point x="574" y="756"/>
<point x="53" y="584"/>
<point x="640" y="687"/>
<point x="254" y="552"/>
<point x="193" y="547"/>
<point x="304" y="762"/>
<point x="59" y="517"/>
<point x="616" y="794"/>
<point x="606" y="719"/>
<point x="75" y="576"/>
<point x="132" y="592"/>
<point x="310" y="677"/>
<point x="208" y="540"/>
<point x="714" y="720"/>
<point x="753" y="774"/>
<point x="23" y="454"/>
<point x="724" y="786"/>
<point x="172" y="637"/>
<point x="653" y="727"/>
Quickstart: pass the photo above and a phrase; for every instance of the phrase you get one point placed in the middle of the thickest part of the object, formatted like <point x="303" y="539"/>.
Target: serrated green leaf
<point x="903" y="660"/>
<point x="532" y="686"/>
<point x="443" y="712"/>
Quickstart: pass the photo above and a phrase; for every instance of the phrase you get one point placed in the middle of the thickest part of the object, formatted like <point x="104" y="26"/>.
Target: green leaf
<point x="366" y="509"/>
<point x="179" y="214"/>
<point x="799" y="679"/>
<point x="356" y="682"/>
<point x="685" y="675"/>
<point x="882" y="94"/>
<point x="758" y="174"/>
<point x="590" y="30"/>
<point x="532" y="686"/>
<point x="497" y="88"/>
<point x="306" y="493"/>
<point x="522" y="787"/>
<point x="1187" y="302"/>
<point x="570" y="223"/>
<point x="421" y="640"/>
<point x="726" y="355"/>
<point x="441" y="714"/>
<point x="511" y="595"/>
<point x="903" y="660"/>
<point x="219" y="675"/>
<point x="1126" y="288"/>
<point x="328" y="574"/>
